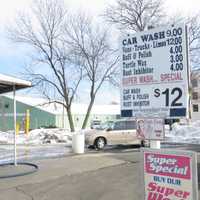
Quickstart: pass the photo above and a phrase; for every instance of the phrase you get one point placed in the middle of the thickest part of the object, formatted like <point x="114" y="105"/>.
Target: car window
<point x="106" y="125"/>
<point x="96" y="122"/>
<point x="124" y="125"/>
<point x="130" y="125"/>
<point x="119" y="126"/>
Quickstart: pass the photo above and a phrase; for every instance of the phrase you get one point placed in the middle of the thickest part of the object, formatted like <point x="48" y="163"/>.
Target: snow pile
<point x="5" y="137"/>
<point x="185" y="133"/>
<point x="53" y="136"/>
<point x="38" y="136"/>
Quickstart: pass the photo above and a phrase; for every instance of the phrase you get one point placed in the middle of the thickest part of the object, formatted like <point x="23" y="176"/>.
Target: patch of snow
<point x="186" y="133"/>
<point x="38" y="136"/>
<point x="30" y="152"/>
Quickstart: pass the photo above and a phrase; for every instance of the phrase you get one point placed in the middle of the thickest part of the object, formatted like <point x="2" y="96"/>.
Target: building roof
<point x="57" y="109"/>
<point x="7" y="83"/>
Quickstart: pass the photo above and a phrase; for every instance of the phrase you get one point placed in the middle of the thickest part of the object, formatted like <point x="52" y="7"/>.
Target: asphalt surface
<point x="114" y="173"/>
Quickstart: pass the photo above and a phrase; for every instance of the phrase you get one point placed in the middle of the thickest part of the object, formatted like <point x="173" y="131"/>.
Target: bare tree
<point x="97" y="55"/>
<point x="194" y="39"/>
<point x="135" y="15"/>
<point x="193" y="24"/>
<point x="53" y="69"/>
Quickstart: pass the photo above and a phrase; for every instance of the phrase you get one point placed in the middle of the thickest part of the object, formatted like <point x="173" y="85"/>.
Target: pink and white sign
<point x="170" y="175"/>
<point x="150" y="128"/>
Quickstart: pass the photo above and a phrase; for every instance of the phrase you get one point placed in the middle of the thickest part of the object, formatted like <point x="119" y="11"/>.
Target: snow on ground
<point x="38" y="136"/>
<point x="38" y="144"/>
<point x="44" y="143"/>
<point x="184" y="133"/>
<point x="180" y="133"/>
<point x="33" y="152"/>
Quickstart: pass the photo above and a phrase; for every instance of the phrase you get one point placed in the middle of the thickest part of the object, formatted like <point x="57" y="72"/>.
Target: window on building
<point x="195" y="95"/>
<point x="194" y="83"/>
<point x="6" y="105"/>
<point x="195" y="108"/>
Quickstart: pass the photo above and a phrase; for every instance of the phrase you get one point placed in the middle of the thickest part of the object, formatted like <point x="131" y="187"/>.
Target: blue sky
<point x="13" y="57"/>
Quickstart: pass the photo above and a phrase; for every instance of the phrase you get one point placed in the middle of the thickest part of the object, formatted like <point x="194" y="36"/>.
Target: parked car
<point x="120" y="132"/>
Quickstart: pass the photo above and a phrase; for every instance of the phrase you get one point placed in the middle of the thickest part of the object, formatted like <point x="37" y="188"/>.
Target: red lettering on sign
<point x="171" y="77"/>
<point x="157" y="192"/>
<point x="129" y="81"/>
<point x="146" y="79"/>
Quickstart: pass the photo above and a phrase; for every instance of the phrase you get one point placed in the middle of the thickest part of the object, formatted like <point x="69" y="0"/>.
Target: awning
<point x="7" y="83"/>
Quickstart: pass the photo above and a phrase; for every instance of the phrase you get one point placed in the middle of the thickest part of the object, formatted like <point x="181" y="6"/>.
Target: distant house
<point x="43" y="114"/>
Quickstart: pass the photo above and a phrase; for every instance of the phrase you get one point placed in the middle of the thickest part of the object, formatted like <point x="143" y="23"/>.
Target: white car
<point x="121" y="132"/>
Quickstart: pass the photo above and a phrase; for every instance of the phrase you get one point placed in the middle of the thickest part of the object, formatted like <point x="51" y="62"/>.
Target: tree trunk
<point x="88" y="113"/>
<point x="70" y="119"/>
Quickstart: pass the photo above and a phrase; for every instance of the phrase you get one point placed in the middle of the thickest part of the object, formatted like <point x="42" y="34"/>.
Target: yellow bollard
<point x="27" y="121"/>
<point x="17" y="128"/>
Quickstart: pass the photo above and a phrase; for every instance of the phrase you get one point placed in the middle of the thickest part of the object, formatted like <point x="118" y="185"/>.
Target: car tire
<point x="142" y="143"/>
<point x="100" y="143"/>
<point x="91" y="147"/>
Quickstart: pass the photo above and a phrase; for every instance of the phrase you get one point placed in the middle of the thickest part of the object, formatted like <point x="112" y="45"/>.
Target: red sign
<point x="168" y="165"/>
<point x="170" y="175"/>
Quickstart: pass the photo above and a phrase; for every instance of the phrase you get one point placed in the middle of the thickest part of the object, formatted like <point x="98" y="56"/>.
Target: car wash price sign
<point x="154" y="73"/>
<point x="170" y="175"/>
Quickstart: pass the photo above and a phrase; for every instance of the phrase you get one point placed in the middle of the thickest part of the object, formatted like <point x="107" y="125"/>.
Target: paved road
<point x="111" y="174"/>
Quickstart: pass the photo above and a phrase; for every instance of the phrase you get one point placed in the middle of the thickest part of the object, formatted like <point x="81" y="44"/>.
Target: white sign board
<point x="150" y="129"/>
<point x="169" y="175"/>
<point x="154" y="73"/>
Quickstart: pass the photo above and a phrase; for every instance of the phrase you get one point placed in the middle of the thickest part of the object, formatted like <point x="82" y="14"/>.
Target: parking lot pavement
<point x="116" y="182"/>
<point x="100" y="175"/>
<point x="112" y="174"/>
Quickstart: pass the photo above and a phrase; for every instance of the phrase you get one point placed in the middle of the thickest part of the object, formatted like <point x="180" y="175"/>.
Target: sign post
<point x="169" y="175"/>
<point x="155" y="83"/>
<point x="154" y="74"/>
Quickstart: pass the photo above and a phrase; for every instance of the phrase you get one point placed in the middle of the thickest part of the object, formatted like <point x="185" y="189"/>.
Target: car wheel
<point x="100" y="143"/>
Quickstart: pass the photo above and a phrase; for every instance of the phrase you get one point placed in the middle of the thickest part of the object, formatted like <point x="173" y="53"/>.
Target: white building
<point x="195" y="95"/>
